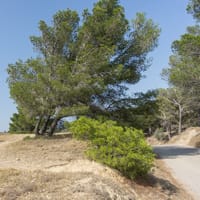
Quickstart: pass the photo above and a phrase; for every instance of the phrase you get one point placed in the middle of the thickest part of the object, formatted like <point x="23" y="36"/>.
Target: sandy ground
<point x="189" y="137"/>
<point x="57" y="169"/>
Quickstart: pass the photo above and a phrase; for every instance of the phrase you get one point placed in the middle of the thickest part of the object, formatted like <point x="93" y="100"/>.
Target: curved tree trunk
<point x="45" y="125"/>
<point x="53" y="126"/>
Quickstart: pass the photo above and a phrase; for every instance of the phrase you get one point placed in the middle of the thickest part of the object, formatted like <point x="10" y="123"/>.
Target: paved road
<point x="185" y="165"/>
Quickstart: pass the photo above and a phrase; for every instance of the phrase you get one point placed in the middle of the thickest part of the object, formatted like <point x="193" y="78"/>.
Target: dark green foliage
<point x="194" y="8"/>
<point x="81" y="61"/>
<point x="139" y="111"/>
<point x="20" y="123"/>
<point x="121" y="148"/>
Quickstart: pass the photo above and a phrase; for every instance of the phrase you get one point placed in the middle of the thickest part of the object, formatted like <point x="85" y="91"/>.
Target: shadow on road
<point x="164" y="152"/>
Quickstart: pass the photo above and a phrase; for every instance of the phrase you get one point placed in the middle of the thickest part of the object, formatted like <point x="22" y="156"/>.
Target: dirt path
<point x="6" y="139"/>
<point x="184" y="163"/>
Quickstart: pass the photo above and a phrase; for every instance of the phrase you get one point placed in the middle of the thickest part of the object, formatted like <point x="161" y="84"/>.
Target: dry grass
<point x="40" y="185"/>
<point x="195" y="141"/>
<point x="190" y="137"/>
<point x="42" y="153"/>
<point x="57" y="169"/>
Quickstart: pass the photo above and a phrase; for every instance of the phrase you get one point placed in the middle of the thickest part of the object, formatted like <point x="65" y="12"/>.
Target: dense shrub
<point x="84" y="128"/>
<point x="124" y="149"/>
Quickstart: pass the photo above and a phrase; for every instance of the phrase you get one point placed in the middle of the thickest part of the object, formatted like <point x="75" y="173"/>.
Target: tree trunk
<point x="150" y="131"/>
<point x="45" y="125"/>
<point x="53" y="126"/>
<point x="37" y="126"/>
<point x="169" y="131"/>
<point x="180" y="120"/>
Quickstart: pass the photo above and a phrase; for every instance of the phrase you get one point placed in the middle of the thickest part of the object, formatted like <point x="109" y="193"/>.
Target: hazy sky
<point x="19" y="19"/>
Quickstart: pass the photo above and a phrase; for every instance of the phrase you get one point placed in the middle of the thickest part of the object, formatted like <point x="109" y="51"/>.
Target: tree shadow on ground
<point x="164" y="152"/>
<point x="152" y="181"/>
<point x="61" y="136"/>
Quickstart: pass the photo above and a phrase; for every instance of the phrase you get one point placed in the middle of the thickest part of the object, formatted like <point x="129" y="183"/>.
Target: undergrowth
<point x="124" y="149"/>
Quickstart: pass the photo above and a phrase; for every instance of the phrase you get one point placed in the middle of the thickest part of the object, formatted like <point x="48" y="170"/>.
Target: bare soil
<point x="58" y="169"/>
<point x="189" y="137"/>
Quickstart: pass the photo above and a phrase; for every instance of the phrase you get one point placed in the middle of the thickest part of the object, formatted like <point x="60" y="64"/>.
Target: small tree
<point x="173" y="106"/>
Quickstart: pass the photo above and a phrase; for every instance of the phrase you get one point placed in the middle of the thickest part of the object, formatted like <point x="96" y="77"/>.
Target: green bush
<point x="124" y="149"/>
<point x="84" y="128"/>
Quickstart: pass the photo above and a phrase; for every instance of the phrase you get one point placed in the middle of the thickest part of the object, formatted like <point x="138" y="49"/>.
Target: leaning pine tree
<point x="81" y="61"/>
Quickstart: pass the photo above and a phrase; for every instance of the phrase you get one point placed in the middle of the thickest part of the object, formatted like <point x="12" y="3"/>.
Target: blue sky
<point x="19" y="19"/>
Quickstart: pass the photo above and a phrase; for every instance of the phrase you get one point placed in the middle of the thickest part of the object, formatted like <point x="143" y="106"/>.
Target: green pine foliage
<point x="80" y="61"/>
<point x="124" y="149"/>
<point x="20" y="123"/>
